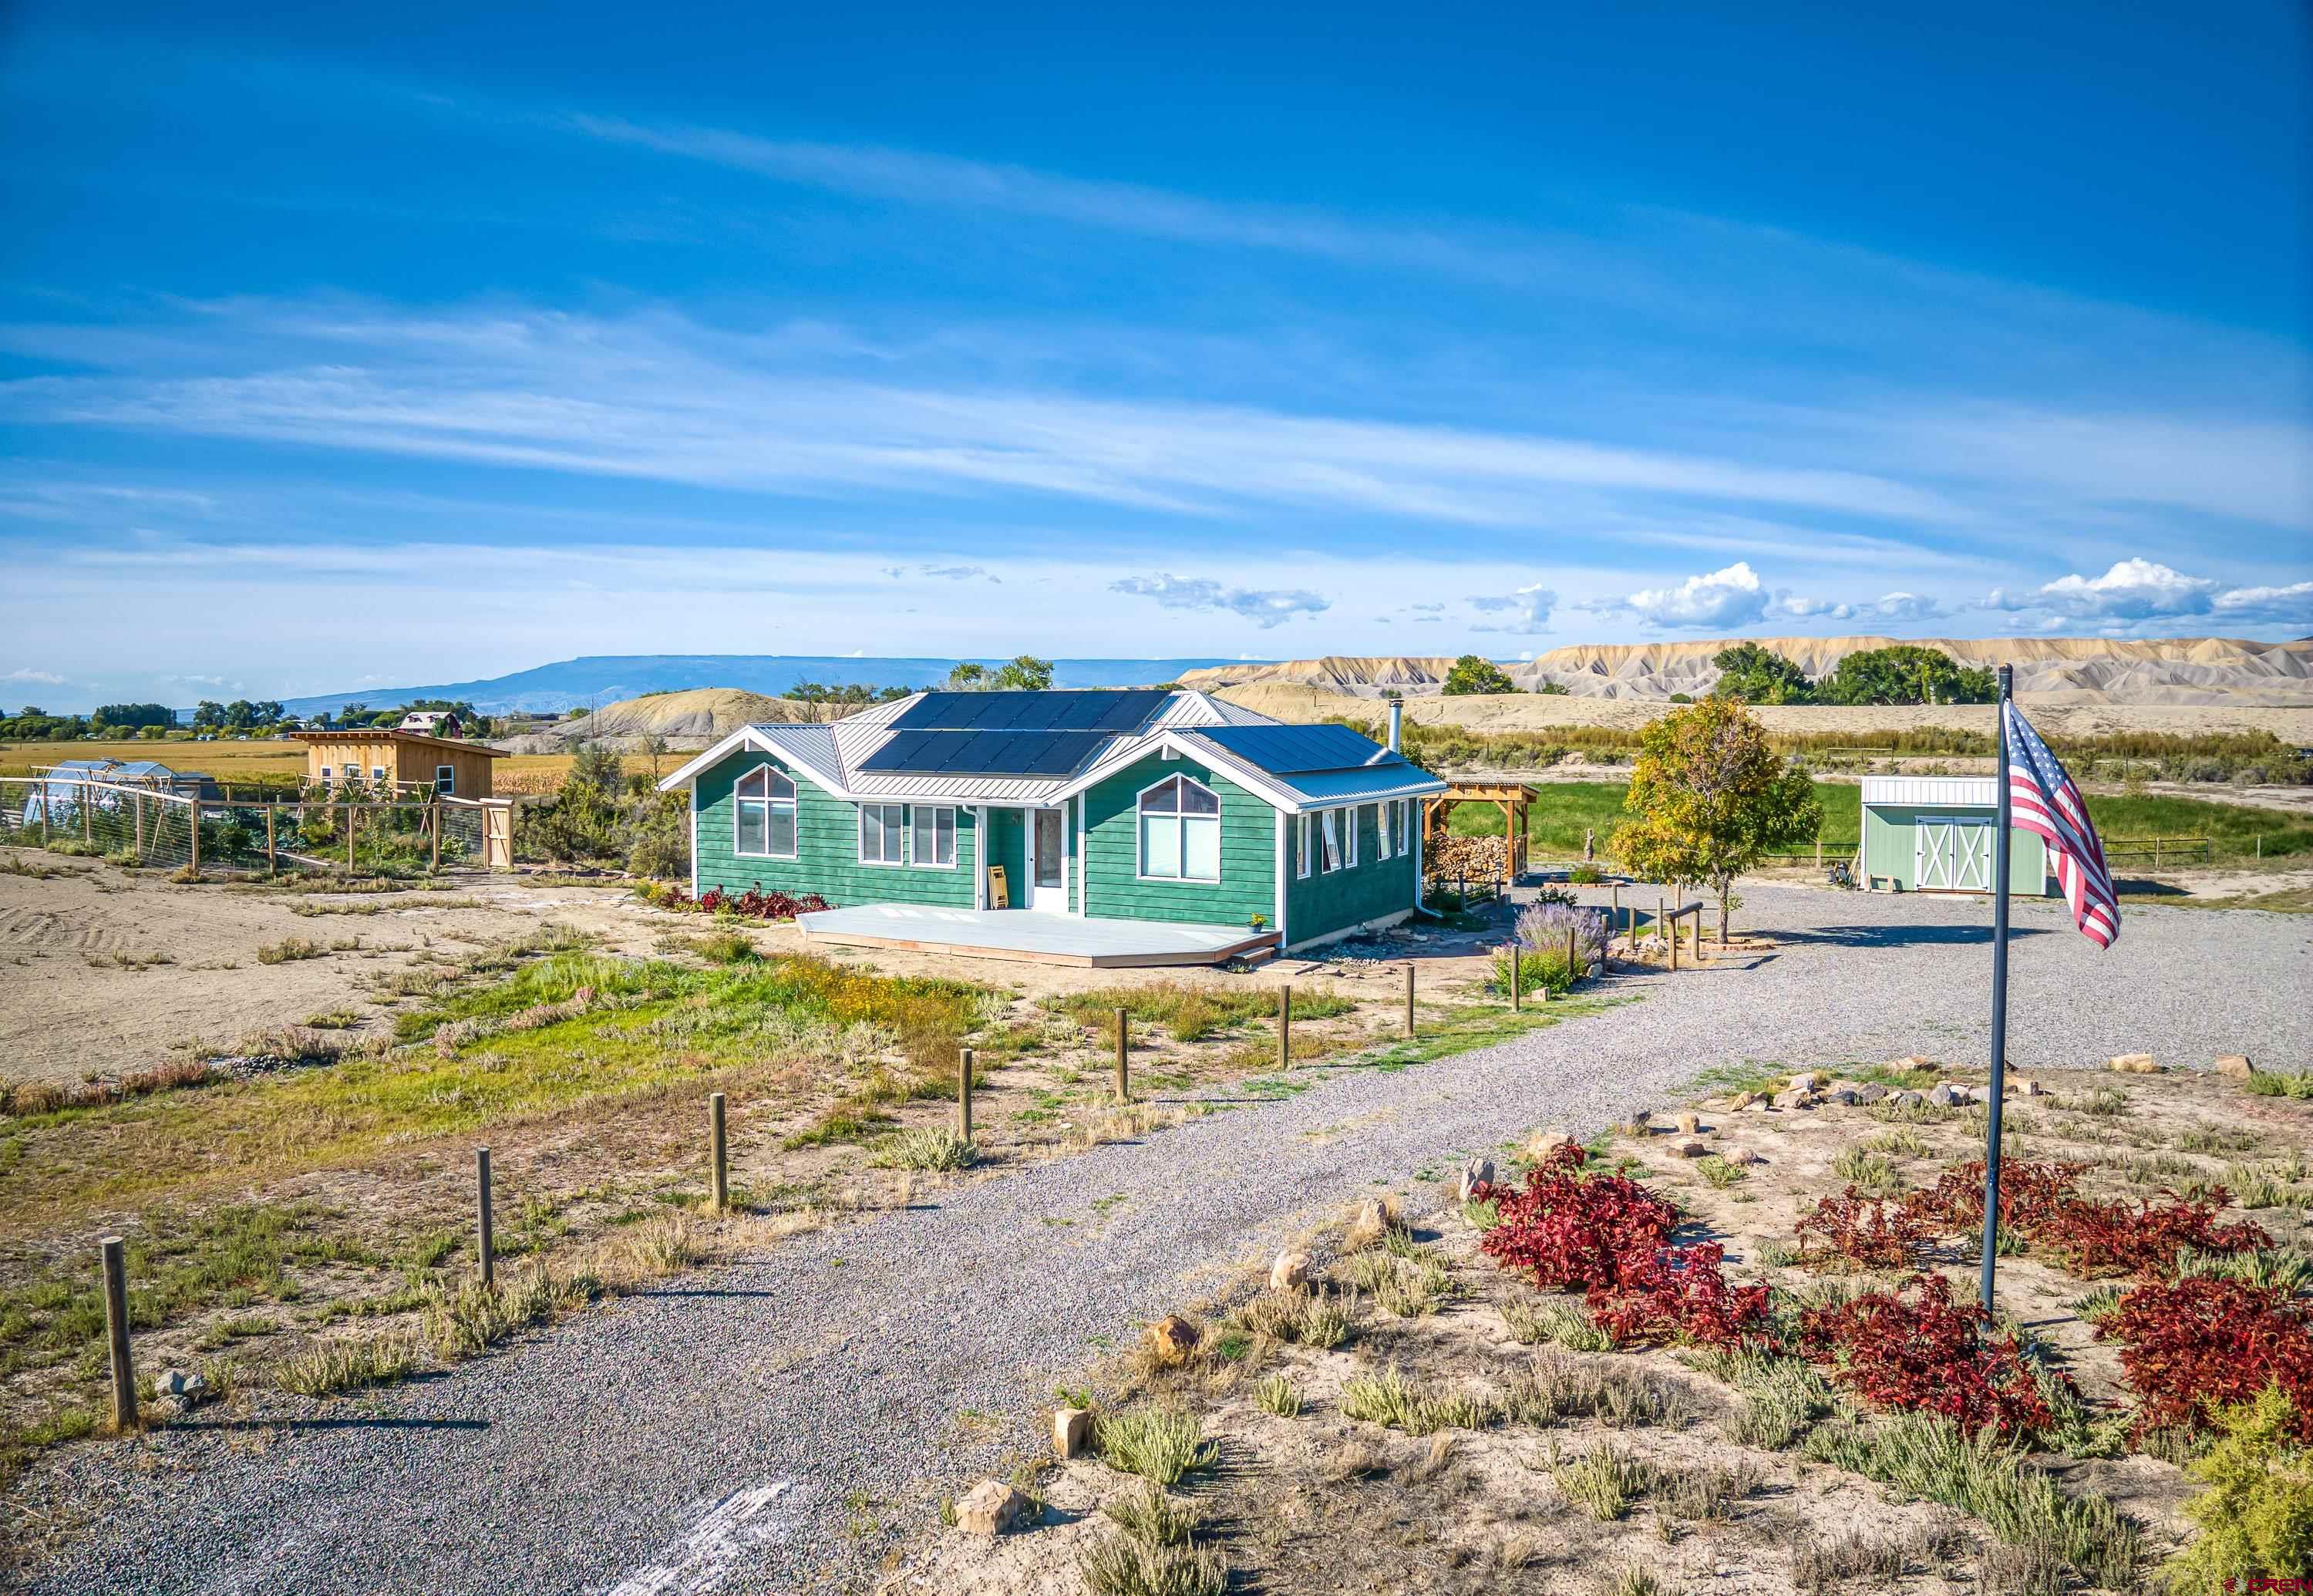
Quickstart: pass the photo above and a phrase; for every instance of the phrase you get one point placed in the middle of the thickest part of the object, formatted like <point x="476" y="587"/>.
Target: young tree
<point x="1907" y="673"/>
<point x="1759" y="675"/>
<point x="1710" y="799"/>
<point x="1025" y="671"/>
<point x="1472" y="675"/>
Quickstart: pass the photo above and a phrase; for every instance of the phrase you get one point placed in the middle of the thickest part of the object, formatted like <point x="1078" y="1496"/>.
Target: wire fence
<point x="417" y="834"/>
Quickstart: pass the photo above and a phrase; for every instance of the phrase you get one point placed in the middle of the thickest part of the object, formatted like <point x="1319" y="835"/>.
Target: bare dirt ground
<point x="1300" y="1497"/>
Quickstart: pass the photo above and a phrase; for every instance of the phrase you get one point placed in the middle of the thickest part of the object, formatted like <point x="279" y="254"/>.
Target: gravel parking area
<point x="773" y="1425"/>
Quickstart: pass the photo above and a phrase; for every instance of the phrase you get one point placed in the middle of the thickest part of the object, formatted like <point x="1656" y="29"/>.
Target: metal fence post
<point x="1123" y="1066"/>
<point x="1570" y="959"/>
<point x="716" y="1152"/>
<point x="272" y="864"/>
<point x="116" y="1327"/>
<point x="485" y="1248"/>
<point x="1409" y="999"/>
<point x="1285" y="1027"/>
<point x="1674" y="942"/>
<point x="963" y="1095"/>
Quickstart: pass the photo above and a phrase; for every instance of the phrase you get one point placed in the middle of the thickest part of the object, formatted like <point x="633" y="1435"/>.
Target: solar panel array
<point x="1111" y="712"/>
<point x="988" y="752"/>
<point x="1298" y="750"/>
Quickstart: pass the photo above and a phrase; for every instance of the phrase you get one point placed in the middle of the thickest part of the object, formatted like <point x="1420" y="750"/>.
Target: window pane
<point x="871" y="833"/>
<point x="926" y="848"/>
<point x="1162" y="799"/>
<point x="946" y="833"/>
<point x="894" y="828"/>
<point x="1203" y="848"/>
<point x="1198" y="800"/>
<point x="752" y="828"/>
<point x="1160" y="846"/>
<point x="782" y="830"/>
<point x="778" y="786"/>
<point x="750" y="785"/>
<point x="1329" y="825"/>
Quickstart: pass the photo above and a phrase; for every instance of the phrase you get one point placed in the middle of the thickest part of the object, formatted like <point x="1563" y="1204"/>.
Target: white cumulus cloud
<point x="2142" y="590"/>
<point x="1263" y="606"/>
<point x="1732" y="596"/>
<point x="1527" y="610"/>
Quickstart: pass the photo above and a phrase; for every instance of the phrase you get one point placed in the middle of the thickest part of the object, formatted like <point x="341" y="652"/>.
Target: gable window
<point x="445" y="779"/>
<point x="1349" y="838"/>
<point x="1181" y="831"/>
<point x="1329" y="832"/>
<point x="763" y="815"/>
<point x="935" y="835"/>
<point x="882" y="833"/>
<point x="1301" y="823"/>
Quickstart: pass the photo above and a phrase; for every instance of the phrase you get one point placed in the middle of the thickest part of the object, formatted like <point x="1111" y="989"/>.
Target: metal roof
<point x="1315" y="789"/>
<point x="1296" y="750"/>
<point x="1940" y="791"/>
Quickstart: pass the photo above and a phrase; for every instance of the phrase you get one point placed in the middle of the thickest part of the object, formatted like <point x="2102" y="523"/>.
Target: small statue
<point x="1589" y="844"/>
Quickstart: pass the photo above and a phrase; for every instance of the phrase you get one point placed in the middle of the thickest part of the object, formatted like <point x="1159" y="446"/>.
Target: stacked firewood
<point x="1476" y="859"/>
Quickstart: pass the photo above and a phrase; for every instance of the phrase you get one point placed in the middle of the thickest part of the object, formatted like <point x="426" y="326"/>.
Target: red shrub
<point x="1865" y="1234"/>
<point x="2187" y="1345"/>
<point x="1678" y="1293"/>
<point x="2096" y="1239"/>
<point x="2029" y="1194"/>
<point x="754" y="904"/>
<point x="1926" y="1351"/>
<point x="1572" y="1231"/>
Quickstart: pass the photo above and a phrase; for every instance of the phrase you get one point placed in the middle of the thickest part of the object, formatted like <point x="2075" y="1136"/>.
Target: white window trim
<point x="1381" y="833"/>
<point x="769" y="804"/>
<point x="1306" y="859"/>
<point x="377" y="772"/>
<point x="1139" y="871"/>
<point x="1350" y="837"/>
<point x="860" y="832"/>
<point x="953" y="852"/>
<point x="325" y="774"/>
<point x="1329" y="833"/>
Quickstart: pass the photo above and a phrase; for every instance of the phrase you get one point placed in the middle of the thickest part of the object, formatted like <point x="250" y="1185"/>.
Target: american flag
<point x="2044" y="801"/>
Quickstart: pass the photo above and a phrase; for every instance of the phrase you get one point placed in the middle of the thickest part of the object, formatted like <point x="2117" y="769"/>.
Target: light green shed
<point x="1933" y="834"/>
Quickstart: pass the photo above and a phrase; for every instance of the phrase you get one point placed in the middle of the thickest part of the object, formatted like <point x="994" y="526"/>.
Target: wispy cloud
<point x="26" y="674"/>
<point x="1265" y="607"/>
<point x="1527" y="610"/>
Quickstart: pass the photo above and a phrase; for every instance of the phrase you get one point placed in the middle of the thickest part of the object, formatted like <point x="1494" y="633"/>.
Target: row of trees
<point x="1025" y="672"/>
<point x="1906" y="673"/>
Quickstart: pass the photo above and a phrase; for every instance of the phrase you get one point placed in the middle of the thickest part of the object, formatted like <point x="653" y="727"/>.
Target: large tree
<point x="1760" y="675"/>
<point x="1710" y="800"/>
<point x="1472" y="674"/>
<point x="1907" y="673"/>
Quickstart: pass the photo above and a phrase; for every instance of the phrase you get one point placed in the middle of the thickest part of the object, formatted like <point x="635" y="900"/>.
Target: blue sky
<point x="339" y="350"/>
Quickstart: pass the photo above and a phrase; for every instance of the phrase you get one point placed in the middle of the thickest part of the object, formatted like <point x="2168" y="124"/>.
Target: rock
<point x="1545" y="1143"/>
<point x="1289" y="1273"/>
<point x="2236" y="1066"/>
<point x="1845" y="1096"/>
<point x="1870" y="1091"/>
<point x="1636" y="1125"/>
<point x="1071" y="1431"/>
<point x="1913" y="1062"/>
<point x="1477" y="1172"/>
<point x="1690" y="1124"/>
<point x="1376" y="1220"/>
<point x="1693" y="1148"/>
<point x="1743" y="1155"/>
<point x="988" y="1508"/>
<point x="2025" y="1086"/>
<point x="1757" y="1106"/>
<point x="1740" y="1101"/>
<point x="1943" y="1096"/>
<point x="1173" y="1339"/>
<point x="2135" y="1063"/>
<point x="179" y="1391"/>
<point x="1795" y="1099"/>
<point x="1907" y="1099"/>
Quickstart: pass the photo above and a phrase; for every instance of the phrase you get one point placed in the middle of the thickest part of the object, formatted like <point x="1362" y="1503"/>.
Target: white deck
<point x="1027" y="935"/>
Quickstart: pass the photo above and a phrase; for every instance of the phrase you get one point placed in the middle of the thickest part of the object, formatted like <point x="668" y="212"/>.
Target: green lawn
<point x="1565" y="808"/>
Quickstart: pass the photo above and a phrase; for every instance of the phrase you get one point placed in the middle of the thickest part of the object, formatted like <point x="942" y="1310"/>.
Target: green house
<point x="1933" y="834"/>
<point x="1139" y="826"/>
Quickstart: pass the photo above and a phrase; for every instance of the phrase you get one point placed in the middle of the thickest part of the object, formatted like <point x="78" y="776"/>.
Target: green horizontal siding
<point x="1374" y="888"/>
<point x="1890" y="846"/>
<point x="1111" y="820"/>
<point x="827" y="849"/>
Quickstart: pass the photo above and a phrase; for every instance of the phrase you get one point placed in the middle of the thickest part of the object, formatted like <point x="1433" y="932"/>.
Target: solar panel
<point x="1298" y="750"/>
<point x="1075" y="710"/>
<point x="994" y="752"/>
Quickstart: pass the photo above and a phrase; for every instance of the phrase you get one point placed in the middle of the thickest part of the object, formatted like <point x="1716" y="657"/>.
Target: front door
<point x="1048" y="863"/>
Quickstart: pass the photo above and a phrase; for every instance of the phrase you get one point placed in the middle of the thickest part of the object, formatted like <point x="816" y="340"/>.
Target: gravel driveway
<point x="772" y="1425"/>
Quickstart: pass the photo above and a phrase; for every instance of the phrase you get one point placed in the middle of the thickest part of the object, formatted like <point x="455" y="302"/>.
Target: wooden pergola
<point x="1516" y="799"/>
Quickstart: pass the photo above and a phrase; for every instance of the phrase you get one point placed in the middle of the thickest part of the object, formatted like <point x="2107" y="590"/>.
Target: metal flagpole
<point x="1999" y="999"/>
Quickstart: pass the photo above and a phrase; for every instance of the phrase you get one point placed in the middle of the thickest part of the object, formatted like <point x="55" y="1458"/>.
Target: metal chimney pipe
<point x="1396" y="725"/>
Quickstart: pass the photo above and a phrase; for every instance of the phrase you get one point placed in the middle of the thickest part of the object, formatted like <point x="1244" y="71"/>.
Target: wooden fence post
<point x="87" y="822"/>
<point x="434" y="830"/>
<point x="136" y="820"/>
<point x="963" y="1095"/>
<point x="197" y="836"/>
<point x="350" y="838"/>
<point x="1570" y="961"/>
<point x="1123" y="1066"/>
<point x="716" y="1152"/>
<point x="485" y="1248"/>
<point x="1818" y="850"/>
<point x="272" y="864"/>
<point x="1510" y="952"/>
<point x="116" y="1327"/>
<point x="1409" y="999"/>
<point x="1285" y="1027"/>
<point x="1674" y="942"/>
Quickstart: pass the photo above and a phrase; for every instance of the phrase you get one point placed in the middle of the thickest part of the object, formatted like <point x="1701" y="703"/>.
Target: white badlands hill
<point x="2169" y="671"/>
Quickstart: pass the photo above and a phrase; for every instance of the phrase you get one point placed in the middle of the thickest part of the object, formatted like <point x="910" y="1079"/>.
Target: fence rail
<point x="149" y="825"/>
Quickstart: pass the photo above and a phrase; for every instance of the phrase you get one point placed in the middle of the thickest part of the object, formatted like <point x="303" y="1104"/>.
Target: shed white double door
<point x="1952" y="855"/>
